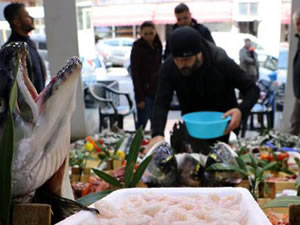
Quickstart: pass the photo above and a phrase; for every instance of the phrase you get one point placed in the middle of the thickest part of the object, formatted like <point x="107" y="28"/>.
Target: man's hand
<point x="152" y="142"/>
<point x="141" y="105"/>
<point x="235" y="121"/>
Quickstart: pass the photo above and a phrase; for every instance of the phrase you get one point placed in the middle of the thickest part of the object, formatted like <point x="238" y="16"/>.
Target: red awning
<point x="202" y="11"/>
<point x="286" y="9"/>
<point x="119" y="15"/>
<point x="160" y="13"/>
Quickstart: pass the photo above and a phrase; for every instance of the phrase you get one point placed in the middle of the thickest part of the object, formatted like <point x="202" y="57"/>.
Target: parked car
<point x="116" y="50"/>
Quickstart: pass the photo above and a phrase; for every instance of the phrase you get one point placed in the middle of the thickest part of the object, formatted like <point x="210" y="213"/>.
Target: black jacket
<point x="296" y="70"/>
<point x="210" y="88"/>
<point x="145" y="64"/>
<point x="203" y="30"/>
<point x="35" y="65"/>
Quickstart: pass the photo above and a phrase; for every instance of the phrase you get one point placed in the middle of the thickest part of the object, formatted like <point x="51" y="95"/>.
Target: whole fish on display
<point x="162" y="170"/>
<point x="221" y="153"/>
<point x="190" y="170"/>
<point x="41" y="127"/>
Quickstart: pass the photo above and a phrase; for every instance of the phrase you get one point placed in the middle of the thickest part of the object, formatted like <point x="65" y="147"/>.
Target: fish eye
<point x="2" y="105"/>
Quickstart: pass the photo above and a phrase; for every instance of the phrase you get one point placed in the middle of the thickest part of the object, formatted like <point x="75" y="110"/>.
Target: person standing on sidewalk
<point x="248" y="60"/>
<point x="295" y="118"/>
<point x="22" y="24"/>
<point x="145" y="59"/>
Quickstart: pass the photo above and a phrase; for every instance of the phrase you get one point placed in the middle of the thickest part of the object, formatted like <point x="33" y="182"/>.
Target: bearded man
<point x="204" y="79"/>
<point x="21" y="24"/>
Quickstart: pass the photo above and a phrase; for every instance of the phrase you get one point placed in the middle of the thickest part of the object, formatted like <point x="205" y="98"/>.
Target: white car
<point x="116" y="50"/>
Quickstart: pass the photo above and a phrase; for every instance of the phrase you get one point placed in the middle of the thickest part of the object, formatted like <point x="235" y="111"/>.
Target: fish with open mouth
<point x="41" y="125"/>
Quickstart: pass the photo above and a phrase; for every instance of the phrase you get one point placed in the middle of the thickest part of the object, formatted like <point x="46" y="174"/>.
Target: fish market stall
<point x="258" y="165"/>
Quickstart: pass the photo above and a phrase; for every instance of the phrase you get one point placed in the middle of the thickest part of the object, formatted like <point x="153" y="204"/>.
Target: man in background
<point x="184" y="18"/>
<point x="21" y="24"/>
<point x="295" y="118"/>
<point x="205" y="79"/>
<point x="248" y="60"/>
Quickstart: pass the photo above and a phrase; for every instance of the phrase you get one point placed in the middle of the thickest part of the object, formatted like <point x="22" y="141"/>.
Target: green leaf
<point x="242" y="151"/>
<point x="226" y="167"/>
<point x="282" y="202"/>
<point x="270" y="166"/>
<point x="298" y="163"/>
<point x="246" y="158"/>
<point x="286" y="170"/>
<point x="253" y="161"/>
<point x="106" y="177"/>
<point x="6" y="155"/>
<point x="132" y="156"/>
<point x="298" y="181"/>
<point x="241" y="164"/>
<point x="93" y="197"/>
<point x="103" y="150"/>
<point x="140" y="171"/>
<point x="266" y="188"/>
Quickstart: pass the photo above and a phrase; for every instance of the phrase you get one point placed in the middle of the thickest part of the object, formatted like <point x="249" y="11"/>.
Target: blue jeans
<point x="143" y="115"/>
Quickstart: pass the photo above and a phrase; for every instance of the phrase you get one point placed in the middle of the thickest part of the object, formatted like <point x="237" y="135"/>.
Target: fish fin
<point x="61" y="207"/>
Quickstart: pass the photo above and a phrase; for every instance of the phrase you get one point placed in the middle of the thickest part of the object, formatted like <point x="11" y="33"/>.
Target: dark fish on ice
<point x="190" y="170"/>
<point x="221" y="153"/>
<point x="162" y="170"/>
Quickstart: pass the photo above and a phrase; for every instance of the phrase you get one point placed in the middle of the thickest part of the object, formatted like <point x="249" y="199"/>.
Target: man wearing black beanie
<point x="204" y="79"/>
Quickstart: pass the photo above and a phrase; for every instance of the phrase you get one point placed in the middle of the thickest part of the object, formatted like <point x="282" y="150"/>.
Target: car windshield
<point x="283" y="59"/>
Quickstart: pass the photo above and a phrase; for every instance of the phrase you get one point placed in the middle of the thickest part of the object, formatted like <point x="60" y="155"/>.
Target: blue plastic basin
<point x="205" y="125"/>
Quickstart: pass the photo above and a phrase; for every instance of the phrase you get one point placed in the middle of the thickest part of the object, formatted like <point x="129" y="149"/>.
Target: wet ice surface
<point x="164" y="209"/>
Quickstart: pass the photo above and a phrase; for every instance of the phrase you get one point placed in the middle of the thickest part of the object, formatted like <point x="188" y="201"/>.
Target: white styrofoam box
<point x="248" y="205"/>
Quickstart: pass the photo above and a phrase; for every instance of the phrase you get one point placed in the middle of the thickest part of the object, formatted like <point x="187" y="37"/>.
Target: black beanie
<point x="185" y="41"/>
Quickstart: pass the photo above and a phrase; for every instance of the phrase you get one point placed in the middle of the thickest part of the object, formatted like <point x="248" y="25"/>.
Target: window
<point x="248" y="9"/>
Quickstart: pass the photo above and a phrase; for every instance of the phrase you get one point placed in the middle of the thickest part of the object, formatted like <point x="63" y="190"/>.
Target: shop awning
<point x="160" y="13"/>
<point x="119" y="15"/>
<point x="202" y="11"/>
<point x="286" y="9"/>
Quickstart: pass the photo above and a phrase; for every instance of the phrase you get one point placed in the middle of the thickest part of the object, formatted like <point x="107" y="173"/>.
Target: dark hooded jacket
<point x="203" y="30"/>
<point x="210" y="88"/>
<point x="296" y="70"/>
<point x="145" y="65"/>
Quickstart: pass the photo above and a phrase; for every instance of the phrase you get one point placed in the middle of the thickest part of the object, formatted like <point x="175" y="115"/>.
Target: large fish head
<point x="10" y="56"/>
<point x="222" y="153"/>
<point x="189" y="169"/>
<point x="42" y="122"/>
<point x="162" y="170"/>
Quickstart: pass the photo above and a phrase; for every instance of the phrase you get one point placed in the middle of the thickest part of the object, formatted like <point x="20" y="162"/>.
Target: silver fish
<point x="42" y="125"/>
